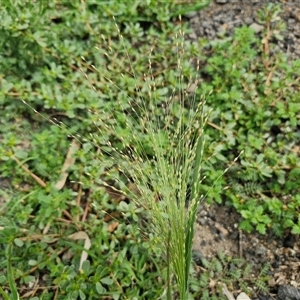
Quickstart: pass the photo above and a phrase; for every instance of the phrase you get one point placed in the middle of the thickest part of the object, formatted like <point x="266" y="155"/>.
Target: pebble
<point x="221" y="229"/>
<point x="243" y="296"/>
<point x="286" y="292"/>
<point x="256" y="27"/>
<point x="202" y="221"/>
<point x="202" y="213"/>
<point x="248" y="21"/>
<point x="261" y="250"/>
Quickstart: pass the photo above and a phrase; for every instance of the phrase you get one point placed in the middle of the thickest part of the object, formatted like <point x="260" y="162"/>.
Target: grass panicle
<point x="168" y="179"/>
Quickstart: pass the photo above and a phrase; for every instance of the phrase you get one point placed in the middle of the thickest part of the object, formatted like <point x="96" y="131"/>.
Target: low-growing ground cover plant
<point x="130" y="116"/>
<point x="257" y="110"/>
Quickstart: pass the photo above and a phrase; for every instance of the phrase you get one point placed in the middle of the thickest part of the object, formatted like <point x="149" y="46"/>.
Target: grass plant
<point x="167" y="181"/>
<point x="167" y="172"/>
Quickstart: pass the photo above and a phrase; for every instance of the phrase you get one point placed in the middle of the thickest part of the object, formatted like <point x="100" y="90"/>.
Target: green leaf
<point x="4" y="294"/>
<point x="99" y="287"/>
<point x="296" y="229"/>
<point x="261" y="228"/>
<point x="245" y="225"/>
<point x="86" y="266"/>
<point x="32" y="262"/>
<point x="288" y="223"/>
<point x="19" y="242"/>
<point x="10" y="276"/>
<point x="82" y="295"/>
<point x="2" y="279"/>
<point x="107" y="280"/>
<point x="191" y="8"/>
<point x="264" y="219"/>
<point x="246" y="214"/>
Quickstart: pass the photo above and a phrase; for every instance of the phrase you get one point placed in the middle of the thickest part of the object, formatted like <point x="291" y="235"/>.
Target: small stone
<point x="242" y="296"/>
<point x="202" y="221"/>
<point x="260" y="250"/>
<point x="293" y="283"/>
<point x="221" y="1"/>
<point x="202" y="213"/>
<point x="221" y="229"/>
<point x="271" y="282"/>
<point x="288" y="292"/>
<point x="212" y="215"/>
<point x="248" y="21"/>
<point x="210" y="222"/>
<point x="218" y="19"/>
<point x="206" y="24"/>
<point x="193" y="36"/>
<point x="256" y="27"/>
<point x="291" y="21"/>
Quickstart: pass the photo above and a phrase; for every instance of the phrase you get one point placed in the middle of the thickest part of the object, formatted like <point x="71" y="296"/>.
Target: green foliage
<point x="80" y="74"/>
<point x="114" y="258"/>
<point x="235" y="273"/>
<point x="77" y="77"/>
<point x="255" y="109"/>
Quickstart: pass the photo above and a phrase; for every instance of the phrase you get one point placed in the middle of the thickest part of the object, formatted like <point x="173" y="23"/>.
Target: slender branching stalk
<point x="168" y="182"/>
<point x="170" y="179"/>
